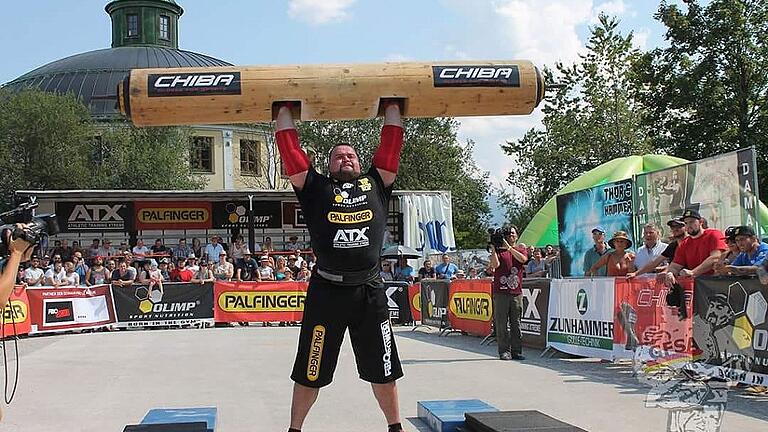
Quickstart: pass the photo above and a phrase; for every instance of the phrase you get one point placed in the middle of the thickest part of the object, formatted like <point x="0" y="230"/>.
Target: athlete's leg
<point x="303" y="398"/>
<point x="386" y="395"/>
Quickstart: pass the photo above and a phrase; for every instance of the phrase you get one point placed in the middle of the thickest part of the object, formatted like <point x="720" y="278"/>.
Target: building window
<point x="200" y="154"/>
<point x="165" y="27"/>
<point x="249" y="157"/>
<point x="132" y="21"/>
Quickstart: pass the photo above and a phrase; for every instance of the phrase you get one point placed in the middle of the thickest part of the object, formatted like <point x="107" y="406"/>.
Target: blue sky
<point x="242" y="32"/>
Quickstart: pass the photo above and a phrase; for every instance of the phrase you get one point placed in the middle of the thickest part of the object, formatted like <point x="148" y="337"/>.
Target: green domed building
<point x="145" y="34"/>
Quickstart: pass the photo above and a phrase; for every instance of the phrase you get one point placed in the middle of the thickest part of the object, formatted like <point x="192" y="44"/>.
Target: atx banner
<point x="608" y="206"/>
<point x="177" y="304"/>
<point x="259" y="301"/>
<point x="721" y="188"/>
<point x="94" y="216"/>
<point x="581" y="317"/>
<point x="67" y="308"/>
<point x="730" y="329"/>
<point x="428" y="222"/>
<point x="642" y="318"/>
<point x="470" y="306"/>
<point x="533" y="323"/>
<point x="16" y="319"/>
<point x="414" y="300"/>
<point x="434" y="303"/>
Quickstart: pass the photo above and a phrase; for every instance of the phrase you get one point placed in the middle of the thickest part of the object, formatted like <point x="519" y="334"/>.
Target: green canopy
<point x="542" y="230"/>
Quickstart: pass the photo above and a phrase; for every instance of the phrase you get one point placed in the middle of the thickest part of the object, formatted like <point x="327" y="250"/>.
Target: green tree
<point x="152" y="158"/>
<point x="706" y="91"/>
<point x="591" y="119"/>
<point x="432" y="159"/>
<point x="45" y="142"/>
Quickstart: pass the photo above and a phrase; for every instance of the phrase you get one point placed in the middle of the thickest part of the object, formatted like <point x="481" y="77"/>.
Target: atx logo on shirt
<point x="350" y="238"/>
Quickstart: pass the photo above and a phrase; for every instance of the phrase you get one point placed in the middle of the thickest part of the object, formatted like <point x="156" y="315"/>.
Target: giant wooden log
<point x="163" y="97"/>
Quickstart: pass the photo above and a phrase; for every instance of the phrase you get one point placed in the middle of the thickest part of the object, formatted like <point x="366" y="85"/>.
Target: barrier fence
<point x="724" y="331"/>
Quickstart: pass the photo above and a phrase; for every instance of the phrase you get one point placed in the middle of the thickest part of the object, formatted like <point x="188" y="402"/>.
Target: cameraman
<point x="507" y="262"/>
<point x="19" y="250"/>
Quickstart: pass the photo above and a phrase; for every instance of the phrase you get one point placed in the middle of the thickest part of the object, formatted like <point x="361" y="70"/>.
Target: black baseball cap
<point x="743" y="230"/>
<point x="690" y="213"/>
<point x="675" y="222"/>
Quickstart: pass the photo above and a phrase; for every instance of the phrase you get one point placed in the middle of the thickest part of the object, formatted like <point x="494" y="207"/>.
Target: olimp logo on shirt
<point x="342" y="197"/>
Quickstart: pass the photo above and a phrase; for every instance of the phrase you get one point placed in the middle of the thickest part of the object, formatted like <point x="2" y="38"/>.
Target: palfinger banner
<point x="581" y="317"/>
<point x="730" y="329"/>
<point x="414" y="300"/>
<point x="470" y="306"/>
<point x="56" y="309"/>
<point x="259" y="301"/>
<point x="428" y="222"/>
<point x="16" y="316"/>
<point x="643" y="318"/>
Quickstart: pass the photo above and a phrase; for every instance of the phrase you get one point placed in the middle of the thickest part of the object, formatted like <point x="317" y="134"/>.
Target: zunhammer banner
<point x="730" y="329"/>
<point x="177" y="304"/>
<point x="16" y="319"/>
<point x="259" y="301"/>
<point x="643" y="318"/>
<point x="581" y="317"/>
<point x="67" y="308"/>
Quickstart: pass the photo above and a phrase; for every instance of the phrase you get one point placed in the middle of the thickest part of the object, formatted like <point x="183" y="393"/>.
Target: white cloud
<point x="319" y="11"/>
<point x="614" y="8"/>
<point x="640" y="38"/>
<point x="544" y="33"/>
<point x="397" y="57"/>
<point x="454" y="53"/>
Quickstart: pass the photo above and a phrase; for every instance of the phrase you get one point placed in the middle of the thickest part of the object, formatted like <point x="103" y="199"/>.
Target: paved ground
<point x="102" y="381"/>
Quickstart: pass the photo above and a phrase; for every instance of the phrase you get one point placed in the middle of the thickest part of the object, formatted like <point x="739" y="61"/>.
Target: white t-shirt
<point x="57" y="277"/>
<point x="266" y="272"/>
<point x="71" y="279"/>
<point x="33" y="273"/>
<point x="645" y="255"/>
<point x="140" y="250"/>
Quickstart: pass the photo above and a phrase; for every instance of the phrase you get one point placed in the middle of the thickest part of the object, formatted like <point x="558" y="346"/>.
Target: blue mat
<point x="447" y="415"/>
<point x="182" y="415"/>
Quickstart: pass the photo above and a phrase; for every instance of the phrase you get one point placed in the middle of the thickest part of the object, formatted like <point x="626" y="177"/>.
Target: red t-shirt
<point x="508" y="276"/>
<point x="693" y="251"/>
<point x="183" y="275"/>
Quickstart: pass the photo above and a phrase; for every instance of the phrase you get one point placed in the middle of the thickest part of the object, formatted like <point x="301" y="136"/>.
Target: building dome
<point x="144" y="35"/>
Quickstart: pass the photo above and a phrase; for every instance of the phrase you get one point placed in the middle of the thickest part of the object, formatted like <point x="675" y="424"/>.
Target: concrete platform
<point x="102" y="381"/>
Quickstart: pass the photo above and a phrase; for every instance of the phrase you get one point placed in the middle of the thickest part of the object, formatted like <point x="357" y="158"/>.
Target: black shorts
<point x="328" y="310"/>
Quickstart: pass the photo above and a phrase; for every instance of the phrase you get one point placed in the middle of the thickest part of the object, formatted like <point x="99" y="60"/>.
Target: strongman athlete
<point x="346" y="215"/>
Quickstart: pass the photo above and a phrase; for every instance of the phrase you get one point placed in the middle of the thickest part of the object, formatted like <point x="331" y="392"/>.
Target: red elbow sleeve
<point x="294" y="159"/>
<point x="387" y="156"/>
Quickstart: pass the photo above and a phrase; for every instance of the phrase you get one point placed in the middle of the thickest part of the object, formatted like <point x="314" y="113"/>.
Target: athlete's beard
<point x="344" y="176"/>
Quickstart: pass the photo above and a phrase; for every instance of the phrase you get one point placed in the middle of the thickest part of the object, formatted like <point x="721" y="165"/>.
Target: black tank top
<point x="346" y="220"/>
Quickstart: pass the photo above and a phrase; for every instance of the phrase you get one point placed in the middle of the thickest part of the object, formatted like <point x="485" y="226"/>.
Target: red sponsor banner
<point x="414" y="301"/>
<point x="258" y="301"/>
<point x="68" y="308"/>
<point x="470" y="306"/>
<point x="642" y="317"/>
<point x="16" y="319"/>
<point x="158" y="215"/>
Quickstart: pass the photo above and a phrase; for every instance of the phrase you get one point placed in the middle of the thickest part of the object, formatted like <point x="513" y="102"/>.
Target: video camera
<point x="497" y="236"/>
<point x="37" y="225"/>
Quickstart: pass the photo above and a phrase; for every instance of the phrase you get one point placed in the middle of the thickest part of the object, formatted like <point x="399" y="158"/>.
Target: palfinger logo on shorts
<point x="386" y="336"/>
<point x="472" y="306"/>
<point x="16" y="312"/>
<point x="316" y="353"/>
<point x="262" y="301"/>
<point x="350" y="218"/>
